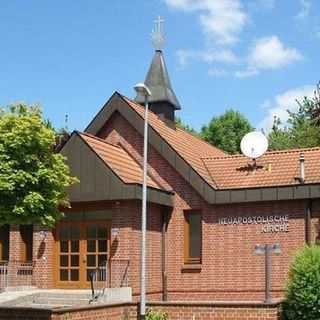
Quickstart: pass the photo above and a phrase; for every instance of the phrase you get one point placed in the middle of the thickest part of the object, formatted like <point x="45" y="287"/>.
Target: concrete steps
<point x="56" y="298"/>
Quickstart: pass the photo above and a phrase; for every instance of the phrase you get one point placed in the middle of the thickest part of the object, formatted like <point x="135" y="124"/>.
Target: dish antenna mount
<point x="253" y="145"/>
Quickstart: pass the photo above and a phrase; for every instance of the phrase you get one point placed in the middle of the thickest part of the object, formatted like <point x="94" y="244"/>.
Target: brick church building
<point x="206" y="212"/>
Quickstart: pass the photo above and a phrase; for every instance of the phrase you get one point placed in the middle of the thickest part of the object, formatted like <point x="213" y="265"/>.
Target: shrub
<point x="303" y="288"/>
<point x="156" y="315"/>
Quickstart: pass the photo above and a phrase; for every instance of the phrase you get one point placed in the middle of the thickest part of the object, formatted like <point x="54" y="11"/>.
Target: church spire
<point x="163" y="100"/>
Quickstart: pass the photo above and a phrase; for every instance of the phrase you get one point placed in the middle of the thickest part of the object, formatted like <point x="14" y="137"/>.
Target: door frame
<point x="82" y="283"/>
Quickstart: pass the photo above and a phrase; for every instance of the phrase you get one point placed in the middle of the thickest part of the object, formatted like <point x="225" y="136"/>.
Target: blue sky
<point x="255" y="56"/>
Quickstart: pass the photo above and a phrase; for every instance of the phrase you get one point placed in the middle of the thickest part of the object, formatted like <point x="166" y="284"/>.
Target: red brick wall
<point x="230" y="270"/>
<point x="175" y="311"/>
<point x="116" y="312"/>
<point x="203" y="311"/>
<point x="43" y="257"/>
<point x="14" y="243"/>
<point x="153" y="254"/>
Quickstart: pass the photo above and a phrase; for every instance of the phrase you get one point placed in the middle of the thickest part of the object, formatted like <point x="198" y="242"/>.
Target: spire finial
<point x="157" y="34"/>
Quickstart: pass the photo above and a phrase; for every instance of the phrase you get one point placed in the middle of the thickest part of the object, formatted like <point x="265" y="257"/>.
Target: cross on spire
<point x="157" y="34"/>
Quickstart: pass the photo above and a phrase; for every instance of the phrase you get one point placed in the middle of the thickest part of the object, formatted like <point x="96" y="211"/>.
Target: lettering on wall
<point x="269" y="224"/>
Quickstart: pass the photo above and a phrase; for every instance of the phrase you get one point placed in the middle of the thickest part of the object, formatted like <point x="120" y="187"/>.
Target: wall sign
<point x="269" y="224"/>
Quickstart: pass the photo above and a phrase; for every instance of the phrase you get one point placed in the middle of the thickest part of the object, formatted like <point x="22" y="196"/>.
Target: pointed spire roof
<point x="158" y="82"/>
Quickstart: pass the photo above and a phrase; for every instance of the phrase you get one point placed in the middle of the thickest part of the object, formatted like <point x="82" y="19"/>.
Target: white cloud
<point x="218" y="73"/>
<point x="208" y="56"/>
<point x="305" y="6"/>
<point x="221" y="20"/>
<point x="279" y="105"/>
<point x="241" y="74"/>
<point x="268" y="53"/>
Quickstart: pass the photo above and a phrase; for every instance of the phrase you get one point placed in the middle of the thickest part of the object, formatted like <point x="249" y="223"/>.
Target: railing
<point x="111" y="274"/>
<point x="3" y="275"/>
<point x="15" y="273"/>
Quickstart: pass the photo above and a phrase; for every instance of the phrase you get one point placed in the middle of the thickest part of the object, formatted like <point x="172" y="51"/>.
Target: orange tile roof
<point x="118" y="160"/>
<point x="189" y="147"/>
<point x="279" y="168"/>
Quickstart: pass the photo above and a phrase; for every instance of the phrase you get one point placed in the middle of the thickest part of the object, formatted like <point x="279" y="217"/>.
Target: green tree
<point x="180" y="124"/>
<point x="303" y="295"/>
<point x="227" y="130"/>
<point x="279" y="138"/>
<point x="302" y="129"/>
<point x="33" y="178"/>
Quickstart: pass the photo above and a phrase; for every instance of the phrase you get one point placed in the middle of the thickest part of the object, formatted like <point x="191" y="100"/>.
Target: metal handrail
<point x="113" y="273"/>
<point x="98" y="275"/>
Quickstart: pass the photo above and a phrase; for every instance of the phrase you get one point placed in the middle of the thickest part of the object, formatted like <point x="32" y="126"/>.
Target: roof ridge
<point x="307" y="149"/>
<point x="178" y="128"/>
<point x="99" y="139"/>
<point x="239" y="155"/>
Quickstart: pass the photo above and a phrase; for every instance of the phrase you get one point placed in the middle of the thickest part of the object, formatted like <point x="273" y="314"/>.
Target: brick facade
<point x="229" y="269"/>
<point x="43" y="257"/>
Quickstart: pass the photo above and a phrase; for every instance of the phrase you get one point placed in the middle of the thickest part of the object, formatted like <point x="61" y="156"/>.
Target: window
<point x="4" y="242"/>
<point x="192" y="237"/>
<point x="26" y="232"/>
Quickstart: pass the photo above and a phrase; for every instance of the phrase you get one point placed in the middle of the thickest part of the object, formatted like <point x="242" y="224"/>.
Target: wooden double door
<point x="81" y="248"/>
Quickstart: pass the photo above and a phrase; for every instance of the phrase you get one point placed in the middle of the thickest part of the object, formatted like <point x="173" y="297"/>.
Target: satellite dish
<point x="254" y="144"/>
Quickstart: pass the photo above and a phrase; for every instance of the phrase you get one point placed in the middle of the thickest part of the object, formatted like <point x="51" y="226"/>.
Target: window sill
<point x="191" y="267"/>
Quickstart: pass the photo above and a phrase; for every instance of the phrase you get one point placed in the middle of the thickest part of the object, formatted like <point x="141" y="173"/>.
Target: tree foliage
<point x="227" y="130"/>
<point x="302" y="129"/>
<point x="33" y="178"/>
<point x="180" y="124"/>
<point x="303" y="295"/>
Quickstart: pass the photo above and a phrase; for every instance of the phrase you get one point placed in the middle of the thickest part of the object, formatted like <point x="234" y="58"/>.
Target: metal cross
<point x="157" y="34"/>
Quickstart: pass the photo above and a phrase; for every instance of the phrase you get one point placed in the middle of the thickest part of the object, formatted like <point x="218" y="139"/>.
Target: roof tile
<point x="279" y="168"/>
<point x="120" y="162"/>
<point x="188" y="146"/>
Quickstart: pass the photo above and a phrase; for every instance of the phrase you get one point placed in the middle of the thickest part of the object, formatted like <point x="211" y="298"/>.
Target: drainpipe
<point x="308" y="217"/>
<point x="163" y="254"/>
